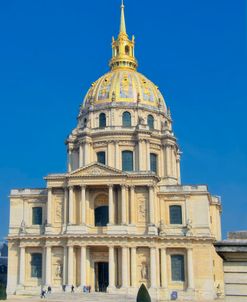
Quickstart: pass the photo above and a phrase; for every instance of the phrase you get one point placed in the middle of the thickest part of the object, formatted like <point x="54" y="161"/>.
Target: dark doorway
<point x="101" y="276"/>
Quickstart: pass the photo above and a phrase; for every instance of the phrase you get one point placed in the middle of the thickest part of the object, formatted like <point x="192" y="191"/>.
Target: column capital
<point x="110" y="186"/>
<point x="83" y="186"/>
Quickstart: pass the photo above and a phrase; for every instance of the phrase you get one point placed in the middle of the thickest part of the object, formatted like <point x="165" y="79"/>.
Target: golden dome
<point x="123" y="84"/>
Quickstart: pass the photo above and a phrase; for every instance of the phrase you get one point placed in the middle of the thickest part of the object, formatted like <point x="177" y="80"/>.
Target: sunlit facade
<point x="119" y="216"/>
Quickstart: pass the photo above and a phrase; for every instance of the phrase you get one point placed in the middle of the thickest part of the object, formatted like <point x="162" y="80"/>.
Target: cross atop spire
<point x="122" y="20"/>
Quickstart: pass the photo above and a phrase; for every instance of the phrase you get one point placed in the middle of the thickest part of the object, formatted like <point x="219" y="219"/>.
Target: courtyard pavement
<point x="103" y="297"/>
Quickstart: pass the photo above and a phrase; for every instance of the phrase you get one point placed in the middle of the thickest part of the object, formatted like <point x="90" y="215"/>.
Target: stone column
<point x="83" y="205"/>
<point x="148" y="168"/>
<point x="70" y="160"/>
<point x="22" y="265"/>
<point x="124" y="267"/>
<point x="178" y="169"/>
<point x="168" y="160"/>
<point x="81" y="155"/>
<point x="153" y="267"/>
<point x="111" y="205"/>
<point x="151" y="205"/>
<point x="71" y="205"/>
<point x="49" y="205"/>
<point x="132" y="205"/>
<point x="117" y="164"/>
<point x="111" y="267"/>
<point x="140" y="151"/>
<point x="133" y="267"/>
<point x="70" y="265"/>
<point x="190" y="268"/>
<point x="162" y="168"/>
<point x="163" y="268"/>
<point x="65" y="257"/>
<point x="123" y="204"/>
<point x="83" y="265"/>
<point x="48" y="266"/>
<point x="65" y="209"/>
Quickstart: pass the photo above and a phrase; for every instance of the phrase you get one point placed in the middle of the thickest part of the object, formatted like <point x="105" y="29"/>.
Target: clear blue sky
<point x="195" y="51"/>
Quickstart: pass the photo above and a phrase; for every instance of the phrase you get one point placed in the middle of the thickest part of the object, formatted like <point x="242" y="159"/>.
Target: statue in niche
<point x="189" y="227"/>
<point x="59" y="270"/>
<point x="162" y="228"/>
<point x="144" y="271"/>
<point x="141" y="120"/>
<point x="23" y="227"/>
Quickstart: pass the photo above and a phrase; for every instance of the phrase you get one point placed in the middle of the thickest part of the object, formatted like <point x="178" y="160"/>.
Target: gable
<point x="96" y="169"/>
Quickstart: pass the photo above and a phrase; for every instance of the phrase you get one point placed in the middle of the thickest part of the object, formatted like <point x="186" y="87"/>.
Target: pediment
<point x="95" y="170"/>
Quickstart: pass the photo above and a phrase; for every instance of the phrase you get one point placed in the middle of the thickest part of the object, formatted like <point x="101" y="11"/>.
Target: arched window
<point x="102" y="120"/>
<point x="175" y="214"/>
<point x="101" y="157"/>
<point x="37" y="215"/>
<point x="153" y="162"/>
<point x="127" y="50"/>
<point x="127" y="161"/>
<point x="101" y="216"/>
<point x="150" y="122"/>
<point x="36" y="265"/>
<point x="126" y="119"/>
<point x="177" y="267"/>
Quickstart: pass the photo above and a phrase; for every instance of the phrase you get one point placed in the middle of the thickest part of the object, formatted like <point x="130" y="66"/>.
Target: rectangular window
<point x="37" y="216"/>
<point x="101" y="157"/>
<point x="177" y="267"/>
<point x="175" y="214"/>
<point x="127" y="161"/>
<point x="153" y="162"/>
<point x="36" y="265"/>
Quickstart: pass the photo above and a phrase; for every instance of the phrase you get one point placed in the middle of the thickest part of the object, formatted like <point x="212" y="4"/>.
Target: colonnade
<point x="168" y="157"/>
<point x="158" y="261"/>
<point x="127" y="204"/>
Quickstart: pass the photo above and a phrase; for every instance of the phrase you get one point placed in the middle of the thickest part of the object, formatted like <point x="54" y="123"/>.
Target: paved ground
<point x="59" y="297"/>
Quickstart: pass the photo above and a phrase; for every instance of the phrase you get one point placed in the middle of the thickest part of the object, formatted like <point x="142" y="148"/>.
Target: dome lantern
<point x="123" y="54"/>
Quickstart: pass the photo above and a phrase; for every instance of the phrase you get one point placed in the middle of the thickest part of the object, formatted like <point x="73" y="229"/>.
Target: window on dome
<point x="175" y="214"/>
<point x="36" y="265"/>
<point x="177" y="267"/>
<point x="101" y="216"/>
<point x="150" y="122"/>
<point x="102" y="120"/>
<point x="126" y="119"/>
<point x="127" y="50"/>
<point x="127" y="161"/>
<point x="101" y="157"/>
<point x="37" y="215"/>
<point x="153" y="162"/>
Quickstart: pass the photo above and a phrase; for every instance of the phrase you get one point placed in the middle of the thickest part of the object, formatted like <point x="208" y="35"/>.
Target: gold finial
<point x="122" y="20"/>
<point x="123" y="55"/>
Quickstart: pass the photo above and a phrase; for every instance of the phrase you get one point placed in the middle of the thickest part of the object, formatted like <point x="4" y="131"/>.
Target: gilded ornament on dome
<point x="126" y="86"/>
<point x="105" y="88"/>
<point x="147" y="92"/>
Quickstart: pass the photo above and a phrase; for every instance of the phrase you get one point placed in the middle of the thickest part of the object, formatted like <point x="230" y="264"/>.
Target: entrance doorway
<point x="101" y="276"/>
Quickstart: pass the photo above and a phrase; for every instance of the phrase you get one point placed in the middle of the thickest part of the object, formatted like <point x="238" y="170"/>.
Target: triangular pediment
<point x="96" y="169"/>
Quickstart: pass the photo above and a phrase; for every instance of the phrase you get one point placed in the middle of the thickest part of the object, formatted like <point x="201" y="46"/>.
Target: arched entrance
<point x="101" y="210"/>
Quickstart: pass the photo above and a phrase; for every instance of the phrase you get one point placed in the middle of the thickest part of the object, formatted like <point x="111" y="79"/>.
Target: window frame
<point x="40" y="222"/>
<point x="181" y="214"/>
<point x="126" y="123"/>
<point x="101" y="152"/>
<point x="156" y="162"/>
<point x="148" y="121"/>
<point x="102" y="115"/>
<point x="106" y="207"/>
<point x="133" y="164"/>
<point x="183" y="269"/>
<point x="39" y="273"/>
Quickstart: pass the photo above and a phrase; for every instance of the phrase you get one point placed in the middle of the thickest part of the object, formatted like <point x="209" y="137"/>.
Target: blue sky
<point x="195" y="51"/>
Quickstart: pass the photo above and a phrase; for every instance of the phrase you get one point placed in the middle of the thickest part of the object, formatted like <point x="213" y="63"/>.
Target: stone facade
<point x="233" y="251"/>
<point x="119" y="216"/>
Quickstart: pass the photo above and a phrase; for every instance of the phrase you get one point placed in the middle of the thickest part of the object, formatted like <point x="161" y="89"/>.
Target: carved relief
<point x="57" y="265"/>
<point x="58" y="208"/>
<point x="142" y="208"/>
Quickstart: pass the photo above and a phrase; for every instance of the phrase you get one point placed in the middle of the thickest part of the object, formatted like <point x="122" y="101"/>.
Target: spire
<point x="122" y="20"/>
<point x="123" y="54"/>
